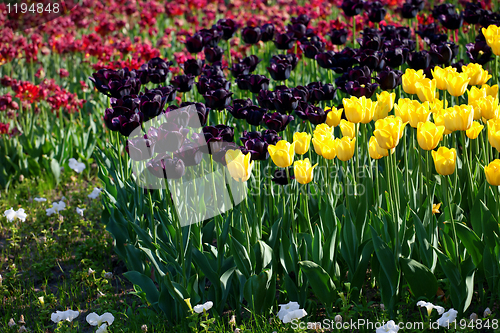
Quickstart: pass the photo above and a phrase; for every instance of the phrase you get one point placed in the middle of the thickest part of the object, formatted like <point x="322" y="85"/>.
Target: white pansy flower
<point x="95" y="320"/>
<point x="75" y="165"/>
<point x="95" y="193"/>
<point x="285" y="308"/>
<point x="40" y="199"/>
<point x="102" y="329"/>
<point x="487" y="312"/>
<point x="205" y="306"/>
<point x="11" y="214"/>
<point x="389" y="327"/>
<point x="447" y="318"/>
<point x="295" y="314"/>
<point x="79" y="211"/>
<point x="67" y="315"/>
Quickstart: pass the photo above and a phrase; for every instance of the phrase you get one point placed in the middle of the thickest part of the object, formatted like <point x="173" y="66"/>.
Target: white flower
<point x="40" y="199"/>
<point x="11" y="214"/>
<point x="144" y="328"/>
<point x="285" y="308"/>
<point x="79" y="211"/>
<point x="102" y="329"/>
<point x="91" y="271"/>
<point x="56" y="207"/>
<point x="11" y="322"/>
<point x="22" y="329"/>
<point x="338" y="318"/>
<point x="447" y="318"/>
<point x="50" y="211"/>
<point x="487" y="312"/>
<point x="95" y="320"/>
<point x="1" y="279"/>
<point x="205" y="306"/>
<point x="75" y="165"/>
<point x="67" y="315"/>
<point x="389" y="327"/>
<point x="473" y="316"/>
<point x="430" y="306"/>
<point x="95" y="193"/>
<point x="382" y="307"/>
<point x="295" y="314"/>
<point x="108" y="275"/>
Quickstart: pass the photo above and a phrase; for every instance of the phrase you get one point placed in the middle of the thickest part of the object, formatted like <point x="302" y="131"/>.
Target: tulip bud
<point x="302" y="142"/>
<point x="444" y="160"/>
<point x="429" y="135"/>
<point x="303" y="171"/>
<point x="282" y="153"/>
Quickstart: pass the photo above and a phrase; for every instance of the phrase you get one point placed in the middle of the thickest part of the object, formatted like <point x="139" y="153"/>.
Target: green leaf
<point x="471" y="242"/>
<point x="56" y="169"/>
<point x="146" y="285"/>
<point x="387" y="261"/>
<point x="320" y="281"/>
<point x="241" y="257"/>
<point x="421" y="280"/>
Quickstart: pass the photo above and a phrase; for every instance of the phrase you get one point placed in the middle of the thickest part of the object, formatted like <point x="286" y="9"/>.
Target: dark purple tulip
<point x="300" y="111"/>
<point x="213" y="54"/>
<point x="443" y="9"/>
<point x="419" y="60"/>
<point x="211" y="37"/>
<point x="458" y="65"/>
<point x="194" y="44"/>
<point x="269" y="136"/>
<point x="266" y="98"/>
<point x="238" y="109"/>
<point x="119" y="108"/>
<point x="170" y="137"/>
<point x="285" y="101"/>
<point x="302" y="93"/>
<point x="389" y="78"/>
<point x="215" y="136"/>
<point x="427" y="30"/>
<point x="116" y="84"/>
<point x="192" y="67"/>
<point x="242" y="82"/>
<point x="490" y="18"/>
<point x="217" y="99"/>
<point x="251" y="35"/>
<point x="205" y="84"/>
<point x="325" y="59"/>
<point x="280" y="176"/>
<point x="251" y="62"/>
<point x="370" y="42"/>
<point x="257" y="148"/>
<point x="157" y="70"/>
<point x="403" y="32"/>
<point x="238" y="69"/>
<point x="443" y="53"/>
<point x="228" y="27"/>
<point x="151" y="104"/>
<point x="128" y="124"/>
<point x="354" y="88"/>
<point x="396" y="57"/>
<point x="220" y="156"/>
<point x="198" y="118"/>
<point x="267" y="32"/>
<point x="277" y="121"/>
<point x="372" y="59"/>
<point x="297" y="30"/>
<point x="315" y="114"/>
<point x="411" y="8"/>
<point x="452" y="21"/>
<point x="255" y="115"/>
<point x="302" y="19"/>
<point x="343" y="60"/>
<point x="280" y="68"/>
<point x="376" y="12"/>
<point x="213" y="70"/>
<point x="312" y="47"/>
<point x="285" y="41"/>
<point x="352" y="7"/>
<point x="325" y="92"/>
<point x="166" y="167"/>
<point x="473" y="12"/>
<point x="140" y="148"/>
<point x="479" y="52"/>
<point x="338" y="36"/>
<point x="183" y="83"/>
<point x="256" y="83"/>
<point x="190" y="154"/>
<point x="291" y="58"/>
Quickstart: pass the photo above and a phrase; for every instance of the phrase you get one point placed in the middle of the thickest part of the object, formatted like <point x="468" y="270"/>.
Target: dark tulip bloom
<point x="242" y="82"/>
<point x="490" y="18"/>
<point x="315" y="114"/>
<point x="211" y="37"/>
<point x="302" y="93"/>
<point x="376" y="12"/>
<point x="300" y="110"/>
<point x="117" y="83"/>
<point x="285" y="41"/>
<point x="419" y="60"/>
<point x="396" y="57"/>
<point x="325" y="59"/>
<point x="183" y="83"/>
<point x="255" y="115"/>
<point x="257" y="148"/>
<point x="479" y="52"/>
<point x="298" y="30"/>
<point x="352" y="7"/>
<point x="220" y="156"/>
<point x="228" y="27"/>
<point x="389" y="78"/>
<point x="251" y="62"/>
<point x="194" y="44"/>
<point x="443" y="53"/>
<point x="151" y="104"/>
<point x="190" y="154"/>
<point x="403" y="32"/>
<point x="213" y="54"/>
<point x="291" y="58"/>
<point x="452" y="21"/>
<point x="216" y="136"/>
<point x="427" y="30"/>
<point x="325" y="93"/>
<point x="277" y="121"/>
<point x="127" y="124"/>
<point x="338" y="36"/>
<point x="256" y="83"/>
<point x="251" y="35"/>
<point x="285" y="101"/>
<point x="458" y="65"/>
<point x="343" y="60"/>
<point x="367" y="89"/>
<point x="270" y="136"/>
<point x="443" y="9"/>
<point x="238" y="69"/>
<point x="156" y="70"/>
<point x="217" y="99"/>
<point x="312" y="47"/>
<point x="214" y="70"/>
<point x="140" y="148"/>
<point x="170" y="137"/>
<point x="281" y="177"/>
<point x="268" y="31"/>
<point x="179" y="117"/>
<point x="311" y="87"/>
<point x="370" y="42"/>
<point x="409" y="11"/>
<point x="198" y="118"/>
<point x="192" y="67"/>
<point x="473" y="12"/>
<point x="372" y="59"/>
<point x="266" y="99"/>
<point x="205" y="84"/>
<point x="281" y="66"/>
<point x="302" y="19"/>
<point x="166" y="167"/>
<point x="124" y="115"/>
<point x="238" y="109"/>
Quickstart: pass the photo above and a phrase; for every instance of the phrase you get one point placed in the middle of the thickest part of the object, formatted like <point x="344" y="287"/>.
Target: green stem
<point x="448" y="205"/>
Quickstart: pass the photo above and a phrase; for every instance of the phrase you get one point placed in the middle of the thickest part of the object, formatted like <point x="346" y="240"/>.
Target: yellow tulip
<point x="444" y="160"/>
<point x="403" y="108"/>
<point x="426" y="90"/>
<point x="490" y="90"/>
<point x="375" y="151"/>
<point x="492" y="172"/>
<point x="429" y="135"/>
<point x="439" y="121"/>
<point x="345" y="148"/>
<point x="488" y="107"/>
<point x="474" y="130"/>
<point x="282" y="153"/>
<point x="494" y="133"/>
<point x="239" y="165"/>
<point x="325" y="146"/>
<point x="323" y="129"/>
<point x="410" y="77"/>
<point x="420" y="114"/>
<point x="303" y="171"/>
<point x="435" y="208"/>
<point x="456" y="83"/>
<point x="333" y="116"/>
<point x="476" y="73"/>
<point x="347" y="128"/>
<point x="359" y="110"/>
<point x="439" y="74"/>
<point x="437" y="106"/>
<point x="385" y="103"/>
<point x="389" y="131"/>
<point x="475" y="94"/>
<point x="492" y="36"/>
<point x="458" y="118"/>
<point x="302" y="141"/>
